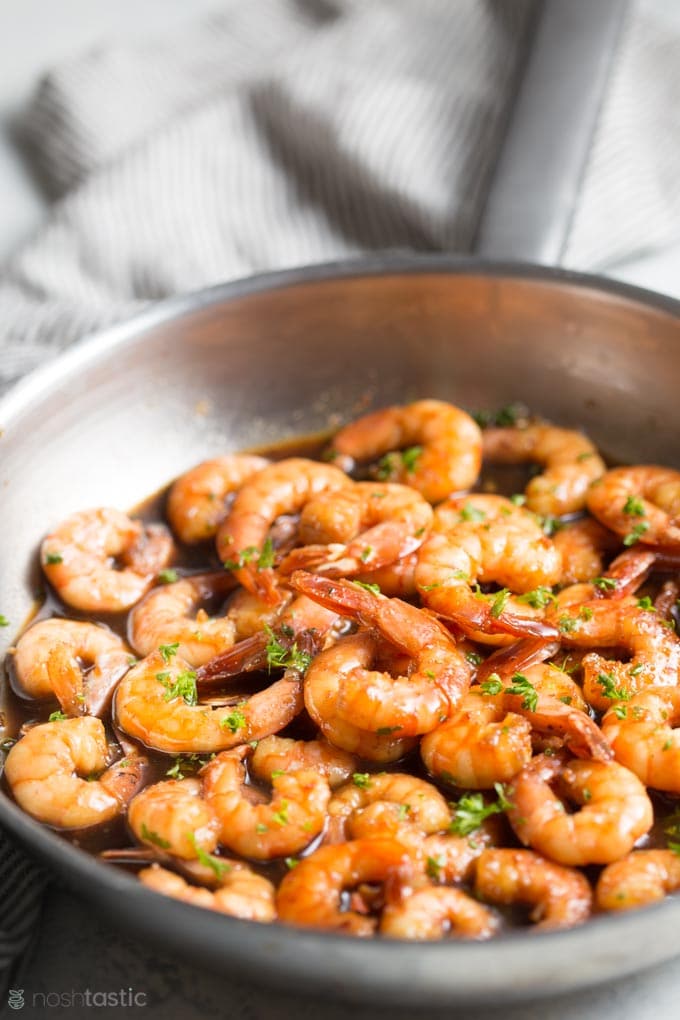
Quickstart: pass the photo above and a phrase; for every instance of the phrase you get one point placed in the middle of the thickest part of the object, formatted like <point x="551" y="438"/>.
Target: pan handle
<point x="543" y="158"/>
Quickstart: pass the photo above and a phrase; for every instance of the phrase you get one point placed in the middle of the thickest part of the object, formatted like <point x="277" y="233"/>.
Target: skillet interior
<point x="290" y="353"/>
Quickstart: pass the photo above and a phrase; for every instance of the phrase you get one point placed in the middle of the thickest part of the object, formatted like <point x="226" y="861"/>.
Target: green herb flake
<point x="474" y="658"/>
<point x="291" y="862"/>
<point x="182" y="685"/>
<point x="4" y="622"/>
<point x="607" y="682"/>
<point x="522" y="686"/>
<point x="366" y="553"/>
<point x="385" y="731"/>
<point x="605" y="583"/>
<point x="433" y="867"/>
<point x="186" y="764"/>
<point x="152" y="837"/>
<point x="278" y="656"/>
<point x="219" y="867"/>
<point x="493" y="686"/>
<point x="634" y="507"/>
<point x="233" y="722"/>
<point x="57" y="716"/>
<point x="167" y="576"/>
<point x="52" y="559"/>
<point x="471" y="513"/>
<point x="168" y="651"/>
<point x="471" y="811"/>
<point x="636" y="533"/>
<point x="410" y="457"/>
<point x="566" y="624"/>
<point x="646" y="603"/>
<point x="620" y="711"/>
<point x="281" y="816"/>
<point x="362" y="780"/>
<point x="499" y="601"/>
<point x="368" y="586"/>
<point x="539" y="598"/>
<point x="519" y="499"/>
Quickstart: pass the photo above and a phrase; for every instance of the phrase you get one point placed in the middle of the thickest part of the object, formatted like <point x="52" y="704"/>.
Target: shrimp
<point x="172" y="816"/>
<point x="561" y="897"/>
<point x="641" y="504"/>
<point x="571" y="464"/>
<point x="311" y="894"/>
<point x="419" y="805"/>
<point x="643" y="877"/>
<point x="398" y="579"/>
<point x="173" y="614"/>
<point x="443" y="446"/>
<point x="281" y="488"/>
<point x="449" y="859"/>
<point x="156" y="703"/>
<point x="481" y="744"/>
<point x="434" y="912"/>
<point x="410" y="704"/>
<point x="287" y="824"/>
<point x="614" y="810"/>
<point x="241" y="893"/>
<point x="583" y="545"/>
<point x="654" y="648"/>
<point x="50" y="774"/>
<point x="485" y="539"/>
<point x="80" y="663"/>
<point x="643" y="735"/>
<point x="197" y="502"/>
<point x="274" y="754"/>
<point x="365" y="527"/>
<point x="82" y="555"/>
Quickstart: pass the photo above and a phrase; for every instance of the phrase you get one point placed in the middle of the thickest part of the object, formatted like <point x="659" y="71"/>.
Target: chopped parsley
<point x="57" y="717"/>
<point x="493" y="685"/>
<point x="182" y="685"/>
<point x="471" y="513"/>
<point x="281" y="816"/>
<point x="362" y="780"/>
<point x="369" y="586"/>
<point x="168" y="651"/>
<point x="233" y="722"/>
<point x="471" y="811"/>
<point x="634" y="507"/>
<point x="607" y="682"/>
<point x="646" y="603"/>
<point x="186" y="764"/>
<point x="605" y="583"/>
<point x="152" y="837"/>
<point x="636" y="533"/>
<point x="168" y="576"/>
<point x="53" y="558"/>
<point x="221" y="868"/>
<point x="522" y="686"/>
<point x="278" y="656"/>
<point x="474" y="658"/>
<point x="4" y="622"/>
<point x="499" y="601"/>
<point x="410" y="457"/>
<point x="433" y="867"/>
<point x="539" y="598"/>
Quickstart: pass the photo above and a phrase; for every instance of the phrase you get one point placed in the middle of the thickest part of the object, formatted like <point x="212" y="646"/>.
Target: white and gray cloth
<point x="285" y="132"/>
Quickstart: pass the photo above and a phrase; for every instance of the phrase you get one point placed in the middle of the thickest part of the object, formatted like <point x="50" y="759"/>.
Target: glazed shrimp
<point x="419" y="805"/>
<point x="49" y="771"/>
<point x="641" y="504"/>
<point x="449" y="859"/>
<point x="485" y="539"/>
<point x="365" y="527"/>
<point x="436" y="912"/>
<point x="410" y="704"/>
<point x="281" y="488"/>
<point x="571" y="464"/>
<point x="311" y="894"/>
<point x="643" y="877"/>
<point x="197" y="502"/>
<point x="172" y="816"/>
<point x="173" y="614"/>
<point x="241" y="893"/>
<point x="644" y="738"/>
<point x="275" y="754"/>
<point x="561" y="897"/>
<point x="81" y="557"/>
<point x="583" y="545"/>
<point x="156" y="703"/>
<point x="79" y="663"/>
<point x="444" y="446"/>
<point x="614" y="810"/>
<point x="283" y="826"/>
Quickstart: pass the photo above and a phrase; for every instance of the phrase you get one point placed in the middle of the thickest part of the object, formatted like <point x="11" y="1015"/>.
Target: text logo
<point x="15" y="998"/>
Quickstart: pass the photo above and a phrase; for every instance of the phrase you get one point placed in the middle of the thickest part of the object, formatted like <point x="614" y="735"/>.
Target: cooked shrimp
<point x="641" y="504"/>
<point x="50" y="773"/>
<point x="365" y="527"/>
<point x="398" y="579"/>
<point x="156" y="702"/>
<point x="485" y="539"/>
<point x="643" y="877"/>
<point x="419" y="805"/>
<point x="311" y="894"/>
<point x="281" y="488"/>
<point x="583" y="545"/>
<point x="81" y="556"/>
<point x="443" y="446"/>
<point x="561" y="897"/>
<point x="173" y="614"/>
<point x="280" y="754"/>
<point x="644" y="738"/>
<point x="284" y="826"/>
<point x="451" y="859"/>
<point x="89" y="662"/>
<point x="172" y="816"/>
<point x="435" y="912"/>
<point x="242" y="893"/>
<point x="571" y="464"/>
<point x="197" y="502"/>
<point x="614" y="810"/>
<point x="481" y="744"/>
<point x="373" y="700"/>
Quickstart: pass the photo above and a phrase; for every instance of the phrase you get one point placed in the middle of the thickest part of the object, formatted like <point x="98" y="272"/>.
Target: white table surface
<point x="76" y="949"/>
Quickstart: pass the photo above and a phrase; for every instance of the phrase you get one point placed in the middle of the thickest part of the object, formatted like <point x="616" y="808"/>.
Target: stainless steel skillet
<point x="289" y="353"/>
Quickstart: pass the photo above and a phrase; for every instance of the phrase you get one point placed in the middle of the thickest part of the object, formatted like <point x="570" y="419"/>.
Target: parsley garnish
<point x="233" y="722"/>
<point x="410" y="458"/>
<point x="634" y="507"/>
<point x="539" y="598"/>
<point x="471" y="513"/>
<point x="605" y="583"/>
<point x="281" y="816"/>
<point x="152" y="837"/>
<point x="646" y="603"/>
<point x="566" y="625"/>
<point x="636" y="533"/>
<point x="57" y="717"/>
<point x="362" y="780"/>
<point x="384" y="731"/>
<point x="183" y="685"/>
<point x="522" y="686"/>
<point x="168" y="576"/>
<point x="289" y="658"/>
<point x="470" y="811"/>
<point x="266" y="558"/>
<point x="4" y="622"/>
<point x="220" y="868"/>
<point x="369" y="586"/>
<point x="168" y="651"/>
<point x="474" y="658"/>
<point x="493" y="685"/>
<point x="186" y="764"/>
<point x="498" y="602"/>
<point x="607" y="682"/>
<point x="433" y="867"/>
<point x="54" y="558"/>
